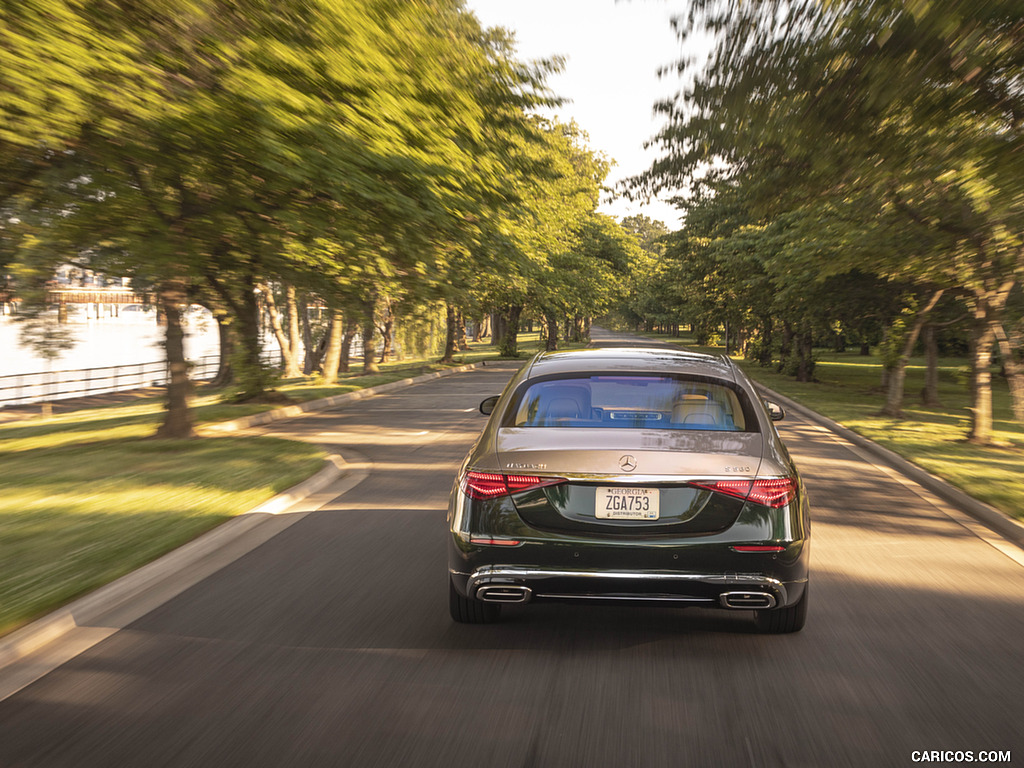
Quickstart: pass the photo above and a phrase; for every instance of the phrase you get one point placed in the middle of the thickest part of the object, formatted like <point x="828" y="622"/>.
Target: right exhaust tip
<point x="747" y="600"/>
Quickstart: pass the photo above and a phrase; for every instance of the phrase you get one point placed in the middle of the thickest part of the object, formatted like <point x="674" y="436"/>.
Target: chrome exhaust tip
<point x="747" y="600"/>
<point x="503" y="593"/>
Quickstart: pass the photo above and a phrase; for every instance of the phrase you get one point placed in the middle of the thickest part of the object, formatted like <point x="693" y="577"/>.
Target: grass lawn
<point x="87" y="496"/>
<point x="847" y="391"/>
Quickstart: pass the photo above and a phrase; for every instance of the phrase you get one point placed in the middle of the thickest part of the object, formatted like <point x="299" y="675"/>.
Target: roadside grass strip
<point x="847" y="391"/>
<point x="83" y="506"/>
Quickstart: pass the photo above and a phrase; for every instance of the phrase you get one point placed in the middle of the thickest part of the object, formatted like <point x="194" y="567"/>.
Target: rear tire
<point x="781" y="621"/>
<point x="466" y="610"/>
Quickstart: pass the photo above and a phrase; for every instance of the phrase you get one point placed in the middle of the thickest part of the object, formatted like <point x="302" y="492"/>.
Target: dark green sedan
<point x="636" y="475"/>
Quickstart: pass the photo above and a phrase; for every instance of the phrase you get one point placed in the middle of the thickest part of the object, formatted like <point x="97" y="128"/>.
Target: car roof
<point x="664" y="360"/>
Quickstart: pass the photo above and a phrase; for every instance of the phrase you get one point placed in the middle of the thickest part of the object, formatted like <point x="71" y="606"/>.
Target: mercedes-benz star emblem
<point x="627" y="463"/>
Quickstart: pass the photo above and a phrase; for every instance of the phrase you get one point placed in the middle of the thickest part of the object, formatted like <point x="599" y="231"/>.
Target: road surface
<point x="330" y="644"/>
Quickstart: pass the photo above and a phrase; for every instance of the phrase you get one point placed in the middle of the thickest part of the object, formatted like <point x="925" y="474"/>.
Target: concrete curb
<point x="88" y="609"/>
<point x="985" y="514"/>
<point x="299" y="409"/>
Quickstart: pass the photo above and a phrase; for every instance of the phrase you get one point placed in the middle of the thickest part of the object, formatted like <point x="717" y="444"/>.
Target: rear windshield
<point x="635" y="402"/>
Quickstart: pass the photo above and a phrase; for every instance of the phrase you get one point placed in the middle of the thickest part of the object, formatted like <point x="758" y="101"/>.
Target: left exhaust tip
<point x="503" y="593"/>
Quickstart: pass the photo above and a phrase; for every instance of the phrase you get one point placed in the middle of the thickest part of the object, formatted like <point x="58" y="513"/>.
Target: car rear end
<point x="643" y="486"/>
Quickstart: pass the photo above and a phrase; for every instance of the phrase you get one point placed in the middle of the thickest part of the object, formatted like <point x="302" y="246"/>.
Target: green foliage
<point x="362" y="150"/>
<point x="882" y="138"/>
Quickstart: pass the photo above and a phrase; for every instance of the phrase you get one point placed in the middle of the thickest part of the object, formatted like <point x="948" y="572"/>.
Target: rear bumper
<point x="501" y="583"/>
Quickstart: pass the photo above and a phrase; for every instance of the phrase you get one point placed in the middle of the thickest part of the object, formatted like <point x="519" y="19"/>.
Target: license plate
<point x="623" y="503"/>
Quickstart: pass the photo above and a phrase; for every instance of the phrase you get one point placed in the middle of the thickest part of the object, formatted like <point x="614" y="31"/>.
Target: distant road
<point x="330" y="644"/>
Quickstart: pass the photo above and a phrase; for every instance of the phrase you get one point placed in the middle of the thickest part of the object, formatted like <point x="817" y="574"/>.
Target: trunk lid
<point x="606" y="466"/>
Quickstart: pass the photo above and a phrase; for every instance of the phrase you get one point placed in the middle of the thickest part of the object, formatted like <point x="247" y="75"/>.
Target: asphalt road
<point x="330" y="644"/>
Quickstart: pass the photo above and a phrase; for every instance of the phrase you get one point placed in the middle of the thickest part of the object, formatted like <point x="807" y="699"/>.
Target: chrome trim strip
<point x="511" y="574"/>
<point x="629" y="598"/>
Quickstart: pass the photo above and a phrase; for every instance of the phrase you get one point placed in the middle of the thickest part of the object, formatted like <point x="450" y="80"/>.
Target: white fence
<point x="22" y="388"/>
<point x="46" y="386"/>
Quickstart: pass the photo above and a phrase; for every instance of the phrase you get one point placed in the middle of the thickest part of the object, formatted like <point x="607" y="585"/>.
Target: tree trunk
<point x="786" y="350"/>
<point x="764" y="353"/>
<point x="982" y="342"/>
<point x="897" y="376"/>
<point x="1011" y="350"/>
<point x="177" y="424"/>
<point x="460" y="332"/>
<point x="987" y="309"/>
<point x="252" y="377"/>
<point x="499" y="327"/>
<point x="351" y="328"/>
<point x="449" y="335"/>
<point x="805" y="356"/>
<point x="332" y="350"/>
<point x="574" y="329"/>
<point x="226" y="337"/>
<point x="552" y="324"/>
<point x="310" y="361"/>
<point x="386" y="335"/>
<point x="369" y="333"/>
<point x="930" y="393"/>
<point x="510" y="341"/>
<point x="292" y="369"/>
<point x="386" y="332"/>
<point x="289" y="347"/>
<point x="314" y="351"/>
<point x="483" y="328"/>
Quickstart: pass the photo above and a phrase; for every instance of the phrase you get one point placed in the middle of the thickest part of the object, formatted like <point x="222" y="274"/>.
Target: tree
<point x="889" y="117"/>
<point x="311" y="141"/>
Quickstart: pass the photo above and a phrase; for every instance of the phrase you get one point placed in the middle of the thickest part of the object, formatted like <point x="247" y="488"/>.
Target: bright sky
<point x="613" y="49"/>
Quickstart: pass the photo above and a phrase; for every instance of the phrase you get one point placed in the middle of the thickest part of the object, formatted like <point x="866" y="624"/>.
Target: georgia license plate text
<point x="613" y="503"/>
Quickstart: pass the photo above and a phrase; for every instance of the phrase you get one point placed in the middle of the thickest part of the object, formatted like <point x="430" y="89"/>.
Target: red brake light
<point x="517" y="483"/>
<point x="483" y="485"/>
<point x="490" y="485"/>
<point x="773" y="492"/>
<point x="738" y="488"/>
<point x="757" y="548"/>
<point x="769" y="491"/>
<point x="492" y="542"/>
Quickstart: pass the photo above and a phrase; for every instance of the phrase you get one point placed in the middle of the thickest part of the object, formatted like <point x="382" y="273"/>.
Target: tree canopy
<point x="371" y="153"/>
<point x="880" y="137"/>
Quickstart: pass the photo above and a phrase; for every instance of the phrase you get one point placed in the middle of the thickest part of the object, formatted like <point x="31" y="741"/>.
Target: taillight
<point x="773" y="492"/>
<point x="493" y="542"/>
<point x="490" y="485"/>
<point x="769" y="491"/>
<point x="738" y="488"/>
<point x="484" y="485"/>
